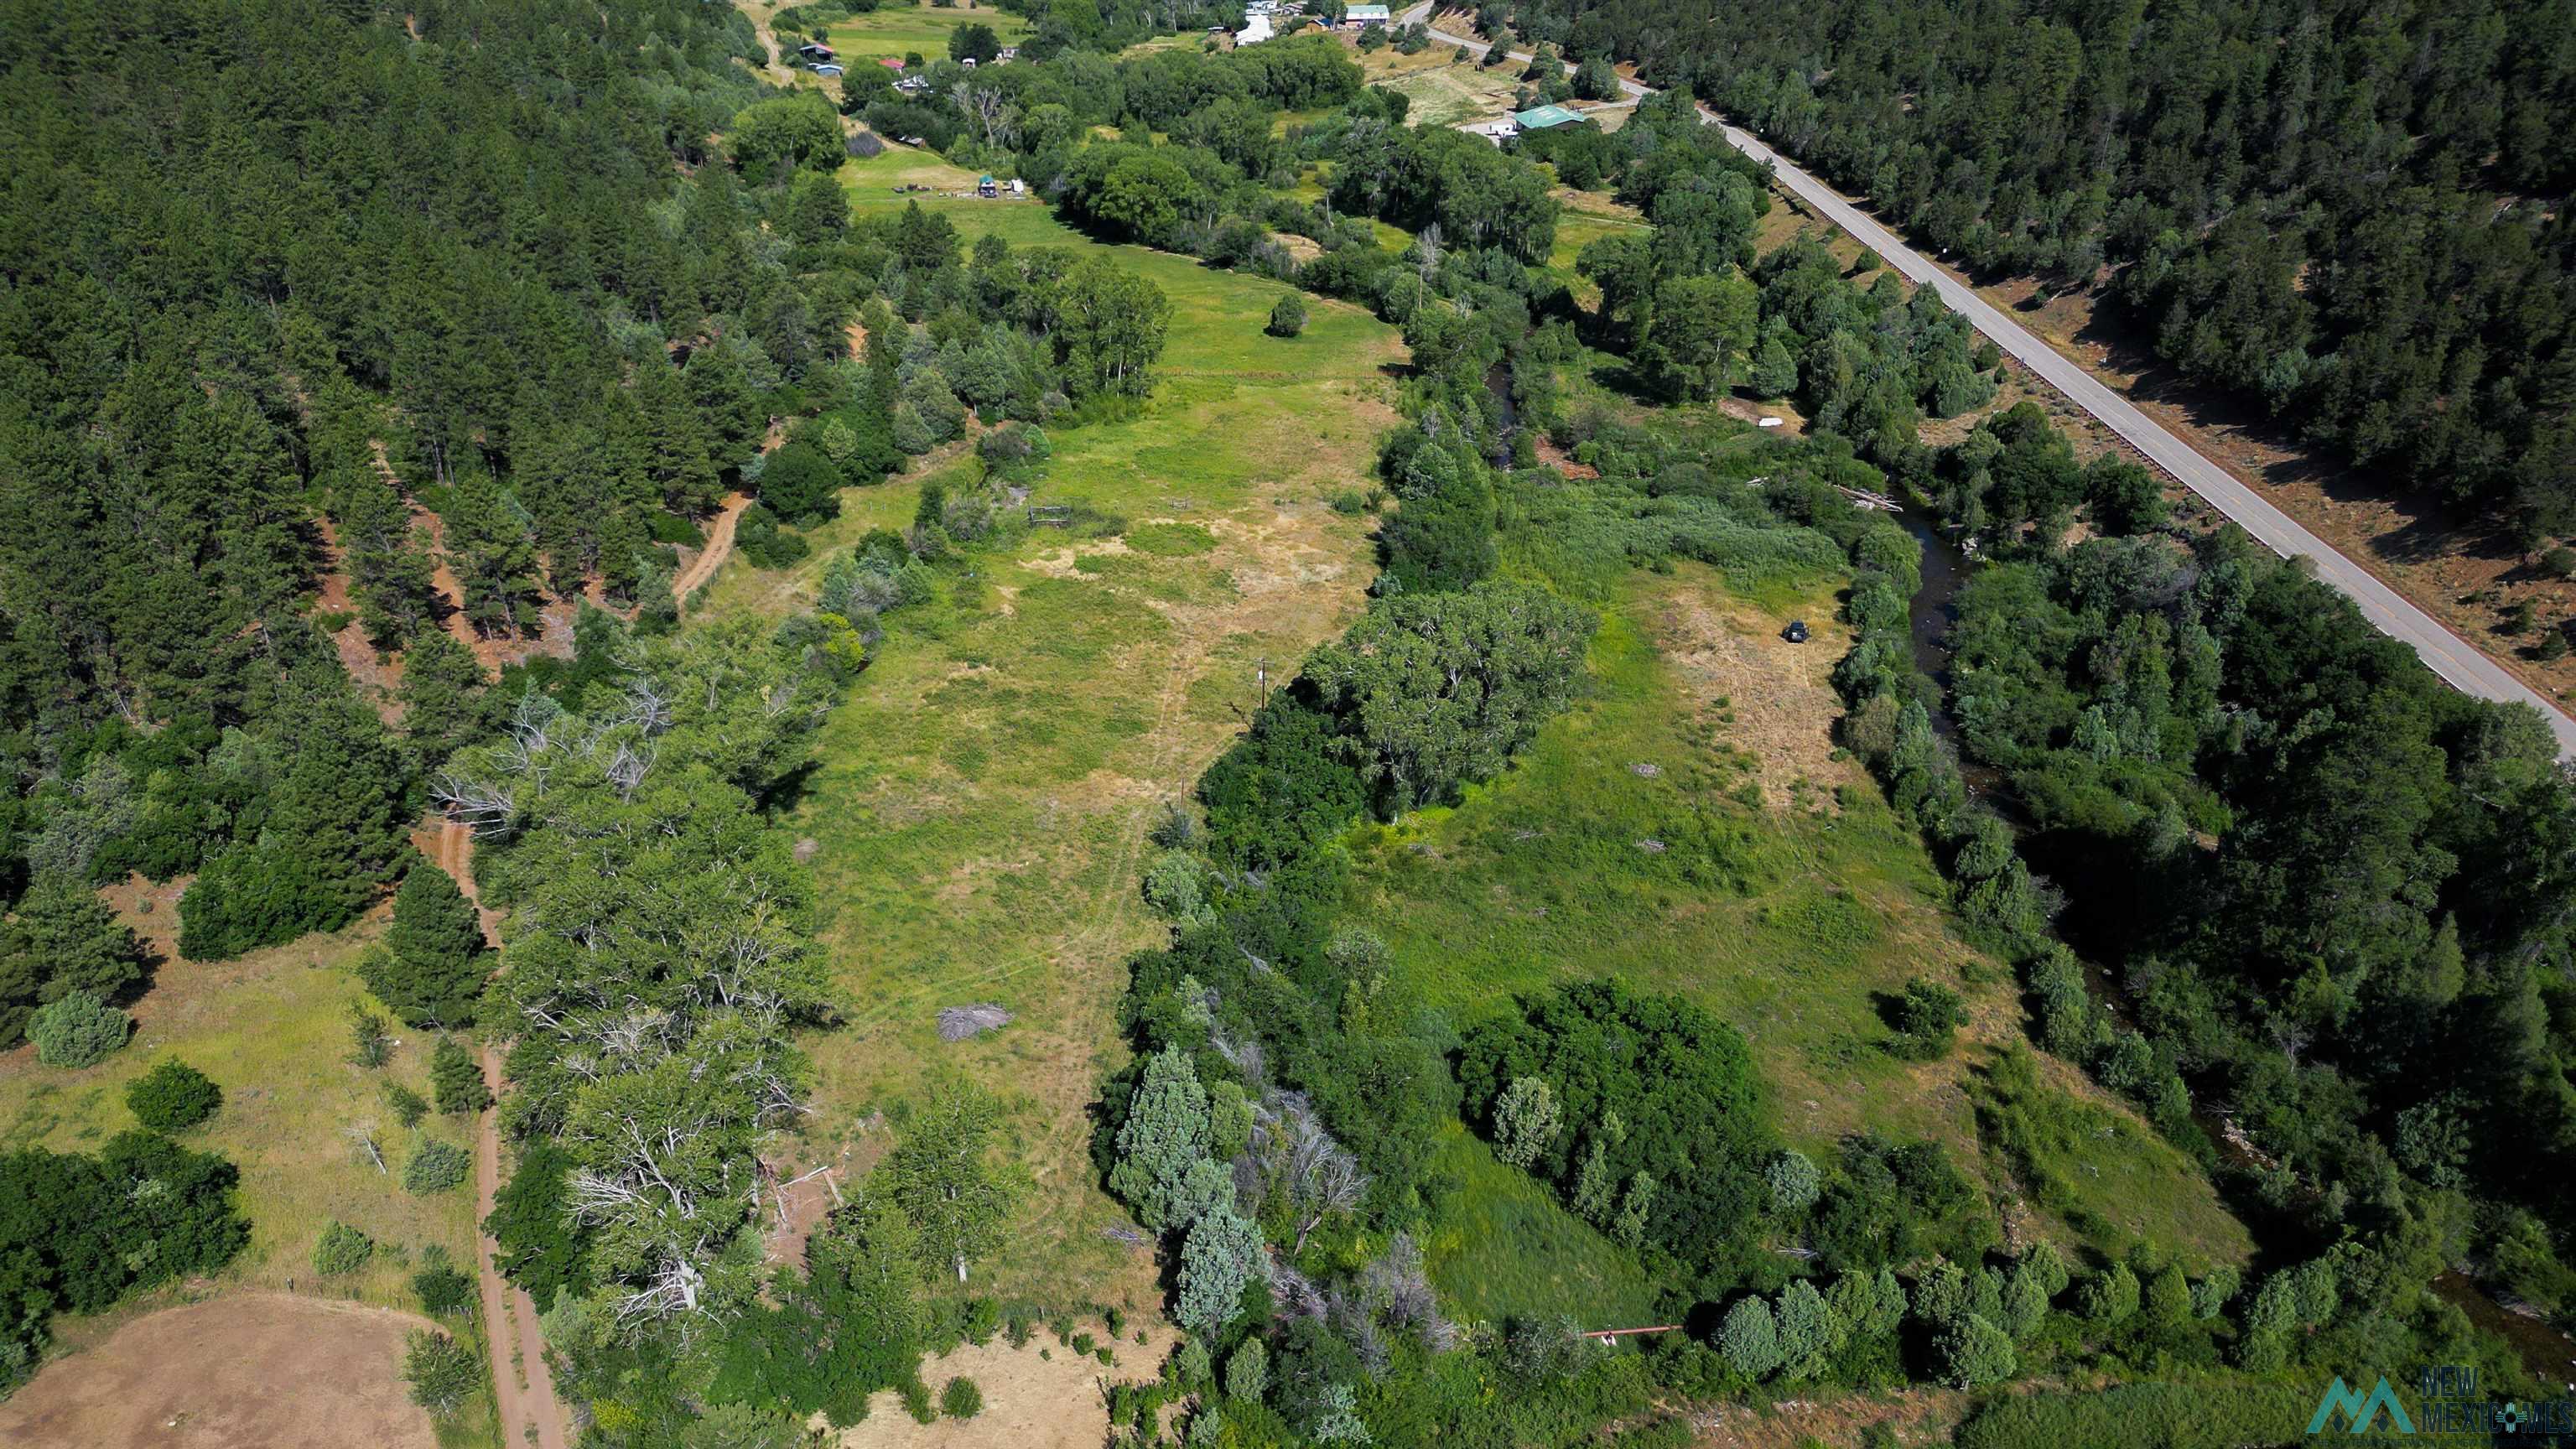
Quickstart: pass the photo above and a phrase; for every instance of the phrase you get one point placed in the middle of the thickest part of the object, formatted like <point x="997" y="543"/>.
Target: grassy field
<point x="1507" y="1249"/>
<point x="271" y="1030"/>
<point x="898" y="30"/>
<point x="1444" y="92"/>
<point x="1785" y="895"/>
<point x="979" y="809"/>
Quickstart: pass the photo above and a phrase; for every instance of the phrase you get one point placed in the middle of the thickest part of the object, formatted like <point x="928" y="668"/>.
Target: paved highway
<point x="2446" y="653"/>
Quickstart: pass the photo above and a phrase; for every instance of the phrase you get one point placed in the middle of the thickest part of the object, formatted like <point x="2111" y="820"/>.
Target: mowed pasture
<point x="243" y="1371"/>
<point x="895" y="31"/>
<point x="979" y="804"/>
<point x="1444" y="92"/>
<point x="1690" y="828"/>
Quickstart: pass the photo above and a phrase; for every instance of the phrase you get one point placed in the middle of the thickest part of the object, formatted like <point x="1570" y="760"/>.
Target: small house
<point x="1360" y="17"/>
<point x="1008" y="52"/>
<point x="985" y="186"/>
<point x="1019" y="187"/>
<point x="1254" y="31"/>
<point x="816" y="51"/>
<point x="892" y="62"/>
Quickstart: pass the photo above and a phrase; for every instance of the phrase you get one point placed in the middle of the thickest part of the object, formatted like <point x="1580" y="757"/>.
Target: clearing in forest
<point x="980" y="801"/>
<point x="1691" y="828"/>
<point x="272" y="1029"/>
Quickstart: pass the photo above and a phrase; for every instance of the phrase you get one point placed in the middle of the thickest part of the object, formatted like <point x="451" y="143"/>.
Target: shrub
<point x="1288" y="318"/>
<point x="961" y="1399"/>
<point x="442" y="1372"/>
<point x="2559" y="562"/>
<point x="442" y="1287"/>
<point x="435" y="1167"/>
<point x="407" y="1105"/>
<point x="2132" y="1416"/>
<point x="77" y="1031"/>
<point x="173" y="1097"/>
<point x="341" y="1249"/>
<point x="455" y="1079"/>
<point x="1927" y="1017"/>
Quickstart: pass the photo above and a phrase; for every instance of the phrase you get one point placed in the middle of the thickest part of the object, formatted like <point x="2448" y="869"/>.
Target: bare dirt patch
<point x="243" y="1371"/>
<point x="1781" y="694"/>
<point x="1044" y="1396"/>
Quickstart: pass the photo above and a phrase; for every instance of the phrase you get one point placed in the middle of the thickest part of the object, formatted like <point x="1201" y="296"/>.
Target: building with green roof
<point x="1540" y="118"/>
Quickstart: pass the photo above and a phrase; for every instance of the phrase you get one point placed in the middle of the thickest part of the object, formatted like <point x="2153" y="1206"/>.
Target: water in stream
<point x="1936" y="609"/>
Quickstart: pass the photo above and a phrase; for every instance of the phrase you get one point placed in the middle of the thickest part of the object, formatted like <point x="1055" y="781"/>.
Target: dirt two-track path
<point x="719" y="547"/>
<point x="522" y="1382"/>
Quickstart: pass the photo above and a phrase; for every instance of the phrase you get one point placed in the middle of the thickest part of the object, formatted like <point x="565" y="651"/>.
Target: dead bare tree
<point x="1323" y="1177"/>
<point x="363" y="1133"/>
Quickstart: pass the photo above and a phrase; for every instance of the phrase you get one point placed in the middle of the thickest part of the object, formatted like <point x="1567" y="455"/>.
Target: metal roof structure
<point x="1539" y="118"/>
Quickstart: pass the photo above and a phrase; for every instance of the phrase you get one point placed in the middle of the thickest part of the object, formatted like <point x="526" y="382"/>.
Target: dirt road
<point x="521" y="1380"/>
<point x="719" y="547"/>
<point x="2457" y="661"/>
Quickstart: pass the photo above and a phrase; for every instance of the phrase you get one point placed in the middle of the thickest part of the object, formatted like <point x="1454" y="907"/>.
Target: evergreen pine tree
<point x="431" y="967"/>
<point x="455" y="1080"/>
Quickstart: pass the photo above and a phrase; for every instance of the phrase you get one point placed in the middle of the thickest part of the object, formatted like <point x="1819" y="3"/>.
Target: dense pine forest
<point x="261" y="326"/>
<point x="2351" y="215"/>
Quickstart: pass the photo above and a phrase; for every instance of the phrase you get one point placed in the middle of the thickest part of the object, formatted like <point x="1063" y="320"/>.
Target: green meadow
<point x="895" y="31"/>
<point x="980" y="803"/>
<point x="1689" y="828"/>
<point x="272" y="1030"/>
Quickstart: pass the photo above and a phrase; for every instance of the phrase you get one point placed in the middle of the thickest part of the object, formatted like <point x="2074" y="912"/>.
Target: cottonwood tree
<point x="863" y="1266"/>
<point x="1526" y="1120"/>
<point x="1109" y="329"/>
<point x="944" y="1183"/>
<point x="1436" y="690"/>
<point x="661" y="1182"/>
